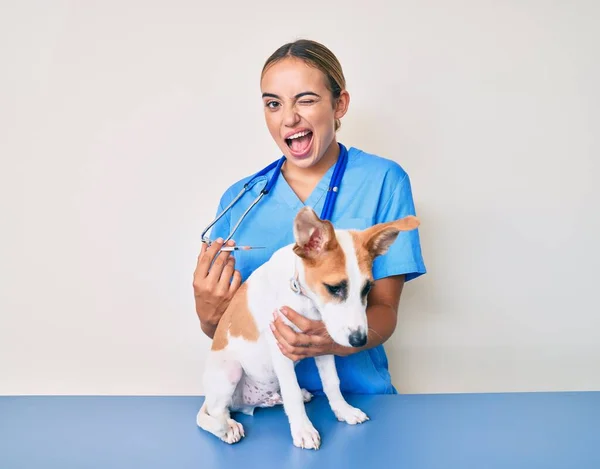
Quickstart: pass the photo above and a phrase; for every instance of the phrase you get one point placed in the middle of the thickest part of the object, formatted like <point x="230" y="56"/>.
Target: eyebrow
<point x="299" y="95"/>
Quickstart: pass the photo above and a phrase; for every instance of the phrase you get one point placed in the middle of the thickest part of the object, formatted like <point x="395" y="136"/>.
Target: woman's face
<point x="300" y="111"/>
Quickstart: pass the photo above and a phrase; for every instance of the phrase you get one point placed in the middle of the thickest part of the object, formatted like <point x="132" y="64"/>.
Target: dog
<point x="325" y="275"/>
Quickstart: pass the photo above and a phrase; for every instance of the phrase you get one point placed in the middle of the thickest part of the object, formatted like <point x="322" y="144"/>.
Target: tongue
<point x="300" y="144"/>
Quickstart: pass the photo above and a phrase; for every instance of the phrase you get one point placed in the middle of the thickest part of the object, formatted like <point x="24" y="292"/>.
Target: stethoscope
<point x="332" y="193"/>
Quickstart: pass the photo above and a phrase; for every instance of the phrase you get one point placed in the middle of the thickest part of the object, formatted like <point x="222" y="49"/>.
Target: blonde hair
<point x="316" y="55"/>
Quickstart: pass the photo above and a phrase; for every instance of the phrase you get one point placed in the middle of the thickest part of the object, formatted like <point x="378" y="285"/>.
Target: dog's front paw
<point x="305" y="436"/>
<point x="234" y="433"/>
<point x="346" y="413"/>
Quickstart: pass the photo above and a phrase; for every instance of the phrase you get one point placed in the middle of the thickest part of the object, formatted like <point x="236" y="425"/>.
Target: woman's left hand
<point x="313" y="340"/>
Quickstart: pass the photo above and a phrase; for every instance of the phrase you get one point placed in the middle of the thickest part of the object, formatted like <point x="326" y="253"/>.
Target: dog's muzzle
<point x="357" y="338"/>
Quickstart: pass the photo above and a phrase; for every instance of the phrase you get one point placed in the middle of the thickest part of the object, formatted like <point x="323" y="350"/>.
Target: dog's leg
<point x="331" y="386"/>
<point x="220" y="380"/>
<point x="304" y="434"/>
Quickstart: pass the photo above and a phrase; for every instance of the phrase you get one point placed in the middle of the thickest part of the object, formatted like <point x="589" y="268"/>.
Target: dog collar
<point x="295" y="282"/>
<point x="295" y="286"/>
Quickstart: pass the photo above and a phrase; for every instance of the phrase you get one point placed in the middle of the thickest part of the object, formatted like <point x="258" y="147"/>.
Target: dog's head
<point x="338" y="270"/>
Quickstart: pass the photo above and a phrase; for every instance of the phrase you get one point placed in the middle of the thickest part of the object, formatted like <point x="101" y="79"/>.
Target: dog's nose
<point x="357" y="338"/>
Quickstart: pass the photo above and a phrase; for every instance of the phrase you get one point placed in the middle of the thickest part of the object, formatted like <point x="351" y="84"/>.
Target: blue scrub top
<point x="373" y="190"/>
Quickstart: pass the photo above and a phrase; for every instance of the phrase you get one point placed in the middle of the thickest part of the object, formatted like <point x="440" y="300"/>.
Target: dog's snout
<point x="357" y="338"/>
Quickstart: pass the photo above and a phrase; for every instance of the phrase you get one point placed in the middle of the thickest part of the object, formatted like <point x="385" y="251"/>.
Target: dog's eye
<point x="338" y="290"/>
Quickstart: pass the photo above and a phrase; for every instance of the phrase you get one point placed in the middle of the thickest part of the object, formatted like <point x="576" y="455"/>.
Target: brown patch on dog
<point x="237" y="321"/>
<point x="220" y="338"/>
<point x="329" y="267"/>
<point x="363" y="256"/>
<point x="376" y="240"/>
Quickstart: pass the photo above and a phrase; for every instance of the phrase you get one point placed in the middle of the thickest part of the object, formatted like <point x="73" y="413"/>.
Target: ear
<point x="313" y="235"/>
<point x="380" y="237"/>
<point x="341" y="106"/>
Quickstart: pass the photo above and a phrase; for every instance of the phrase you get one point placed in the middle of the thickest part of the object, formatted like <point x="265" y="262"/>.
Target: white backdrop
<point x="121" y="123"/>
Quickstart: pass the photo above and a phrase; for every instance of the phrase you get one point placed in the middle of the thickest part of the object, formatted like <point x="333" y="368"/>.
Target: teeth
<point x="299" y="134"/>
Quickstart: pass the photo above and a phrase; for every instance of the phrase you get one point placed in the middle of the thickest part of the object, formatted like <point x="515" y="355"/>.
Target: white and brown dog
<point x="325" y="275"/>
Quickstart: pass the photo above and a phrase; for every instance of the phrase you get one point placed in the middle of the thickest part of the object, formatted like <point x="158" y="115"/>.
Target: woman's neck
<point x="304" y="180"/>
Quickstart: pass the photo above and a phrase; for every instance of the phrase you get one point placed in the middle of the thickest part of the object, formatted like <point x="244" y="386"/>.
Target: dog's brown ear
<point x="380" y="237"/>
<point x="313" y="235"/>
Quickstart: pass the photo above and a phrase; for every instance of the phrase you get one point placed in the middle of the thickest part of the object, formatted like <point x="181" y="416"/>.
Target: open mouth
<point x="300" y="143"/>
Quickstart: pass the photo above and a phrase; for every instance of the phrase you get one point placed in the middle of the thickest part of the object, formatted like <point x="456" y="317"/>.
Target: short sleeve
<point x="404" y="255"/>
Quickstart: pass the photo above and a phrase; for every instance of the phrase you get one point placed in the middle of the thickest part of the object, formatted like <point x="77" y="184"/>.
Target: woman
<point x="304" y="98"/>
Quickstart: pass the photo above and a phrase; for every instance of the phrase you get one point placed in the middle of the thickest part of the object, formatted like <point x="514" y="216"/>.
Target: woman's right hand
<point x="214" y="284"/>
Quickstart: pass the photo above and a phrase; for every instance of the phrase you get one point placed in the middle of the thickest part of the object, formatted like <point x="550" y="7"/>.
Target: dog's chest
<point x="254" y="392"/>
<point x="258" y="391"/>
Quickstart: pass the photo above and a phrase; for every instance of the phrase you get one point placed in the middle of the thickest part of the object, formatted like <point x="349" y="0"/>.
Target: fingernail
<point x="283" y="311"/>
<point x="219" y="240"/>
<point x="272" y="326"/>
<point x="230" y="242"/>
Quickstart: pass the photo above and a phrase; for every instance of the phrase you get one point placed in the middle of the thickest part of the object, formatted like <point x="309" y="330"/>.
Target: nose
<point x="290" y="116"/>
<point x="357" y="338"/>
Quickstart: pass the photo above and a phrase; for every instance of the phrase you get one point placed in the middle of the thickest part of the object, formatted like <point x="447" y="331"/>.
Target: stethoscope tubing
<point x="332" y="191"/>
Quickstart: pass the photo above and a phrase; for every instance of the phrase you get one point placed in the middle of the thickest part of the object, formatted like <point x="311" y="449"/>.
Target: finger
<point x="198" y="268"/>
<point x="291" y="356"/>
<point x="319" y="340"/>
<point x="202" y="250"/>
<point x="281" y="340"/>
<point x="224" y="280"/>
<point x="278" y="337"/>
<point x="206" y="259"/>
<point x="303" y="323"/>
<point x="219" y="263"/>
<point x="285" y="353"/>
<point x="236" y="282"/>
<point x="227" y="273"/>
<point x="288" y="334"/>
<point x="294" y="353"/>
<point x="304" y="345"/>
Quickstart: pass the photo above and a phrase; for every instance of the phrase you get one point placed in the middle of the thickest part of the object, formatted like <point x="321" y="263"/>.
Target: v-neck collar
<point x="286" y="193"/>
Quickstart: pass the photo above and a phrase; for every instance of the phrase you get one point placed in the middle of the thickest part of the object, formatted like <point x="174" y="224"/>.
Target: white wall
<point x="121" y="123"/>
